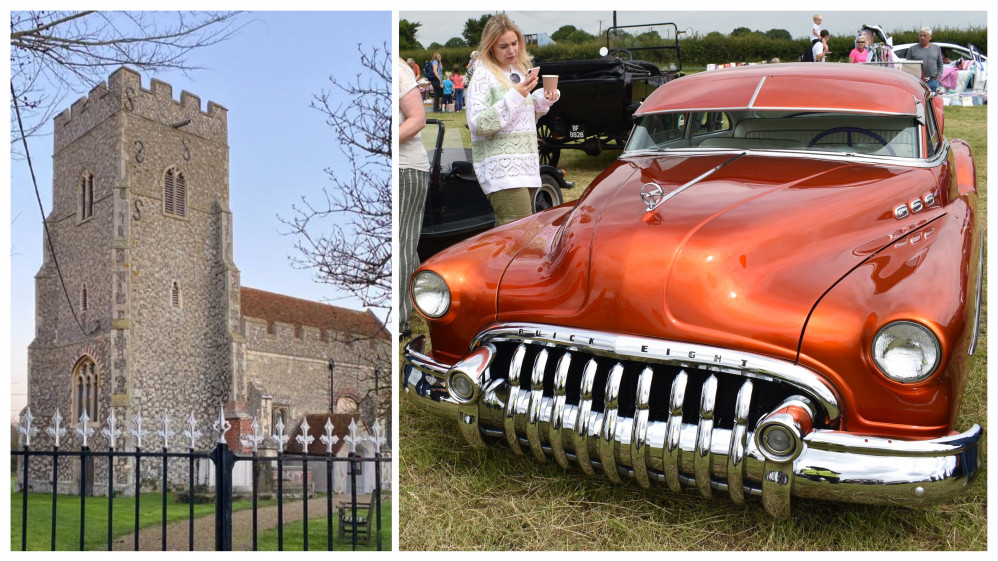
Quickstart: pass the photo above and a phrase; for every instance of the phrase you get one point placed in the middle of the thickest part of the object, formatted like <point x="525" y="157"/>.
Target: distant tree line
<point x="741" y="45"/>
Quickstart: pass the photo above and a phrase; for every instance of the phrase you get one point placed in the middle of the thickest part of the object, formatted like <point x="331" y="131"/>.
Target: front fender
<point x="929" y="276"/>
<point x="473" y="270"/>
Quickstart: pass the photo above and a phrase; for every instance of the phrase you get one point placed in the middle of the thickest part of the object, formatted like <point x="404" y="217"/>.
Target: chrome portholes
<point x="903" y="211"/>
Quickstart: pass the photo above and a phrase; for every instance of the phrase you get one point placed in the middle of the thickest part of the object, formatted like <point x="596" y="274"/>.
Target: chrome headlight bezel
<point x="430" y="294"/>
<point x="906" y="338"/>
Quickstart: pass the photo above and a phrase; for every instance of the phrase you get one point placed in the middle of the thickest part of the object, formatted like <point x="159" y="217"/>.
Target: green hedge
<point x="717" y="48"/>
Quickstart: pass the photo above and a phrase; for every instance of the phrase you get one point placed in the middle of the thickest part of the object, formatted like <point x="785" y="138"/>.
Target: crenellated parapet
<point x="123" y="92"/>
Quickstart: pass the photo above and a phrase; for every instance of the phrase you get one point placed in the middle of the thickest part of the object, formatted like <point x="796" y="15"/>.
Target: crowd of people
<point x="928" y="53"/>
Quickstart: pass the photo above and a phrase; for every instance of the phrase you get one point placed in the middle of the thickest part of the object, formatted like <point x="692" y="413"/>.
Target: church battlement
<point x="123" y="92"/>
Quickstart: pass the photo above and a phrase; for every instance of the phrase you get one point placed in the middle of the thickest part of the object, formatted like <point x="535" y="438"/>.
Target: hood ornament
<point x="653" y="195"/>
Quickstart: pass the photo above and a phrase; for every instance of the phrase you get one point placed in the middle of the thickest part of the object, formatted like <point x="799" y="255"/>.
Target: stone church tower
<point x="143" y="231"/>
<point x="140" y="186"/>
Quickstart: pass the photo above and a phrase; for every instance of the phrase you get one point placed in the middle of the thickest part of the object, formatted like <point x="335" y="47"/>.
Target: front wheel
<point x="547" y="195"/>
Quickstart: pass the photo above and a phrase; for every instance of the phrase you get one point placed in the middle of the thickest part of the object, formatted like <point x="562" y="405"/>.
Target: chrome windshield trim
<point x="755" y="94"/>
<point x="786" y="153"/>
<point x="682" y="354"/>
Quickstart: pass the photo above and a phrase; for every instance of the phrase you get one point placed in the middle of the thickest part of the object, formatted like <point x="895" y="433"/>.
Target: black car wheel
<point x="547" y="195"/>
<point x="548" y="155"/>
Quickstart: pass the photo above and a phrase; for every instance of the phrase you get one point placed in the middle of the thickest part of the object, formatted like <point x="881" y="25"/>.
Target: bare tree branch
<point x="70" y="52"/>
<point x="347" y="238"/>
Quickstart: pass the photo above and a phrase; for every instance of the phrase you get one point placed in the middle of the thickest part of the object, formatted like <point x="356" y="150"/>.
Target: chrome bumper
<point x="832" y="465"/>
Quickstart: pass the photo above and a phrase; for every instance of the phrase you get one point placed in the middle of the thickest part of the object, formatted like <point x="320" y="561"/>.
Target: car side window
<point x="710" y="122"/>
<point x="933" y="138"/>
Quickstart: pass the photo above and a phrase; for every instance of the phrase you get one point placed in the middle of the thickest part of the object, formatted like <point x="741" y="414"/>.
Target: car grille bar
<point x="682" y="422"/>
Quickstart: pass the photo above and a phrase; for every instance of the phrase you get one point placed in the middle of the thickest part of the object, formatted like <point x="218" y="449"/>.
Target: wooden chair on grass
<point x="360" y="520"/>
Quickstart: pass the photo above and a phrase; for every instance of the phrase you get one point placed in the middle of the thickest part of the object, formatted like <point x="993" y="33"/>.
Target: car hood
<point x="737" y="258"/>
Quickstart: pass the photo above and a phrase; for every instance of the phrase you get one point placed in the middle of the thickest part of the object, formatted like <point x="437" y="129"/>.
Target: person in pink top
<point x="458" y="88"/>
<point x="859" y="54"/>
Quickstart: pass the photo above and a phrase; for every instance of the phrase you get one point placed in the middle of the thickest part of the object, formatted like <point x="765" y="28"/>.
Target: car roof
<point x="835" y="87"/>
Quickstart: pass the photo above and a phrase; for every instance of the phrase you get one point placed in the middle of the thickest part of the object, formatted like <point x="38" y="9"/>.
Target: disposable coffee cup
<point x="550" y="83"/>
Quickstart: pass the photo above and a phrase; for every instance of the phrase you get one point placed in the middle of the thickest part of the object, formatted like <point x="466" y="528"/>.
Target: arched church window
<point x="86" y="196"/>
<point x="85" y="388"/>
<point x="175" y="295"/>
<point x="280" y="415"/>
<point x="175" y="193"/>
<point x="84" y="299"/>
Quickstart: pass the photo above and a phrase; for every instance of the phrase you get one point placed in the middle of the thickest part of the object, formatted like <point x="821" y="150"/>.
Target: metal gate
<point x="356" y="521"/>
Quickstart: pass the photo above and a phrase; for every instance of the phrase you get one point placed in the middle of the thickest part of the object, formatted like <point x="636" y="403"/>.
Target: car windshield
<point x="880" y="135"/>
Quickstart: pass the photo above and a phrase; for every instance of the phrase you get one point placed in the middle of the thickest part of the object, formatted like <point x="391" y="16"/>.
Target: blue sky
<point x="278" y="149"/>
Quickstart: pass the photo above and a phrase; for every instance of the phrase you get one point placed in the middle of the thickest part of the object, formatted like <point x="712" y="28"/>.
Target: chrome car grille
<point x="674" y="413"/>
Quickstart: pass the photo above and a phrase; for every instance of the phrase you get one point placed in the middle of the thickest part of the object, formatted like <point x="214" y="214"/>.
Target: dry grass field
<point x="452" y="497"/>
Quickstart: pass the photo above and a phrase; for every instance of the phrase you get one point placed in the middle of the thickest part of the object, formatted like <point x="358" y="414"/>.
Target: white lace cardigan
<point x="503" y="132"/>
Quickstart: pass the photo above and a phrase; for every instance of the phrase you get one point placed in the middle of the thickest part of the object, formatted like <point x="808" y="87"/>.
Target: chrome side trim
<point x="534" y="407"/>
<point x="557" y="423"/>
<point x="673" y="431"/>
<point x="705" y="434"/>
<point x="669" y="352"/>
<point x="980" y="298"/>
<point x="639" y="431"/>
<point x="509" y="422"/>
<point x="581" y="433"/>
<point x="608" y="432"/>
<point x="736" y="449"/>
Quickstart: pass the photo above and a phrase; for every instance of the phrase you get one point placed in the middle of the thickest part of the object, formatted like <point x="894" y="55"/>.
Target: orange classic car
<point x="775" y="291"/>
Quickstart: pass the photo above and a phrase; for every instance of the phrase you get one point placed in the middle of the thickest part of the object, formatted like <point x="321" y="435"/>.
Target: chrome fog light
<point x="430" y="294"/>
<point x="778" y="440"/>
<point x="906" y="352"/>
<point x="461" y="387"/>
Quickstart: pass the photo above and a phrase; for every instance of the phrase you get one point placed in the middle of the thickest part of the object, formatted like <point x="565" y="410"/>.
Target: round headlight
<point x="430" y="294"/>
<point x="906" y="352"/>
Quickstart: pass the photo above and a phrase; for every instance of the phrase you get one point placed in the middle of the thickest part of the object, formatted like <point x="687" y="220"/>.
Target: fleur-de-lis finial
<point x="192" y="433"/>
<point x="85" y="431"/>
<point x="352" y="438"/>
<point x="111" y="432"/>
<point x="27" y="429"/>
<point x="138" y="433"/>
<point x="304" y="439"/>
<point x="58" y="431"/>
<point x="377" y="439"/>
<point x="254" y="439"/>
<point x="329" y="439"/>
<point x="279" y="438"/>
<point x="222" y="426"/>
<point x="165" y="434"/>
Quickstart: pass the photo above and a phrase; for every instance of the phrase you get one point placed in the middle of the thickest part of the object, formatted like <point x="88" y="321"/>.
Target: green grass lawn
<point x="39" y="525"/>
<point x="466" y="499"/>
<point x="317" y="533"/>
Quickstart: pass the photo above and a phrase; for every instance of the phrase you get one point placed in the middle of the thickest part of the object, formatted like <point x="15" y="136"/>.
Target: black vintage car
<point x="456" y="208"/>
<point x="599" y="96"/>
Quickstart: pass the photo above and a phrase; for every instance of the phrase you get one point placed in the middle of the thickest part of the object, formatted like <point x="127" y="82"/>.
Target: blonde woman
<point x="502" y="115"/>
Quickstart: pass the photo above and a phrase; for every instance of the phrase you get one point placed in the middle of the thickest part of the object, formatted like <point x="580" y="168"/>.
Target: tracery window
<point x="85" y="388"/>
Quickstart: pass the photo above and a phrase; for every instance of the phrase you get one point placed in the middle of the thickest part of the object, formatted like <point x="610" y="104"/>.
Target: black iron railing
<point x="358" y="521"/>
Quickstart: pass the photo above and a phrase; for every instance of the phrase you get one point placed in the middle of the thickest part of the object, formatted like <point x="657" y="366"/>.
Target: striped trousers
<point x="412" y="194"/>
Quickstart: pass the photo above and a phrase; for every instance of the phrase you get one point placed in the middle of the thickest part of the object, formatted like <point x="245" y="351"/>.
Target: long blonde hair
<point x="498" y="25"/>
